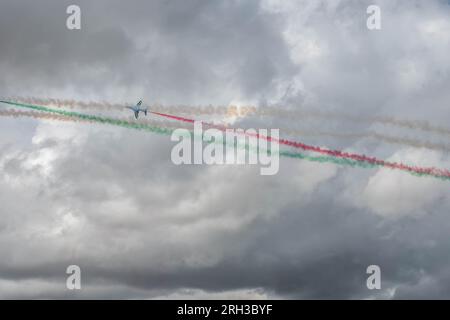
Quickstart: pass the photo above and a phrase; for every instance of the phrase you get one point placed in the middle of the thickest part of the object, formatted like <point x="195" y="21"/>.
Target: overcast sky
<point x="111" y="201"/>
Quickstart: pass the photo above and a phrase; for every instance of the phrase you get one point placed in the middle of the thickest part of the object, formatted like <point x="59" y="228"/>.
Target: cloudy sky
<point x="111" y="201"/>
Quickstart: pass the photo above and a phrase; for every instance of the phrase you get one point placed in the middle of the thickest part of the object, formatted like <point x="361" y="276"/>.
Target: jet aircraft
<point x="137" y="108"/>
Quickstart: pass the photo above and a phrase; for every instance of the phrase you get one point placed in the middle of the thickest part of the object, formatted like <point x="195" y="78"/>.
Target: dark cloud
<point x="170" y="52"/>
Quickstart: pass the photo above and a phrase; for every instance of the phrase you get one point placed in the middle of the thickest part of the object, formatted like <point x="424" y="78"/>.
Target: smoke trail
<point x="371" y="135"/>
<point x="242" y="111"/>
<point x="338" y="157"/>
<point x="70" y="103"/>
<point x="348" y="162"/>
<point x="297" y="155"/>
<point x="249" y="110"/>
<point x="35" y="114"/>
<point x="386" y="120"/>
<point x="359" y="135"/>
<point x="51" y="116"/>
<point x="104" y="105"/>
<point x="93" y="118"/>
<point x="337" y="153"/>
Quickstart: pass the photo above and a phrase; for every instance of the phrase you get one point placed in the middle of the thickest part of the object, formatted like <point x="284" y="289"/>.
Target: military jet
<point x="137" y="108"/>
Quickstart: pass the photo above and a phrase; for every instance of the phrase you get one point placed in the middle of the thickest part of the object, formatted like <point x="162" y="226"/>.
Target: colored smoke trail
<point x="351" y="163"/>
<point x="51" y="116"/>
<point x="337" y="153"/>
<point x="94" y="118"/>
<point x="295" y="155"/>
<point x="70" y="103"/>
<point x="46" y="113"/>
<point x="104" y="105"/>
<point x="32" y="114"/>
<point x="371" y="135"/>
<point x="234" y="111"/>
<point x="437" y="173"/>
<point x="327" y="115"/>
<point x="251" y="110"/>
<point x="242" y="111"/>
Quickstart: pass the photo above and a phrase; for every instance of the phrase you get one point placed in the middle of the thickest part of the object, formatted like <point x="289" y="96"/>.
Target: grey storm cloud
<point x="169" y="51"/>
<point x="111" y="201"/>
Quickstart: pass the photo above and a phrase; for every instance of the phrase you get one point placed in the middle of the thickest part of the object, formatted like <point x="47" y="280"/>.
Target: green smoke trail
<point x="94" y="118"/>
<point x="351" y="163"/>
<point x="168" y="131"/>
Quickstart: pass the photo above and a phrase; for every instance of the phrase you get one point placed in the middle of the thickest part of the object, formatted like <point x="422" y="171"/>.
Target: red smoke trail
<point x="189" y="120"/>
<point x="333" y="153"/>
<point x="173" y="117"/>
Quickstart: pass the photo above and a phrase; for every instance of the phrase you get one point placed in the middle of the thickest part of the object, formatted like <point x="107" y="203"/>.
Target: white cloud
<point x="196" y="294"/>
<point x="395" y="194"/>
